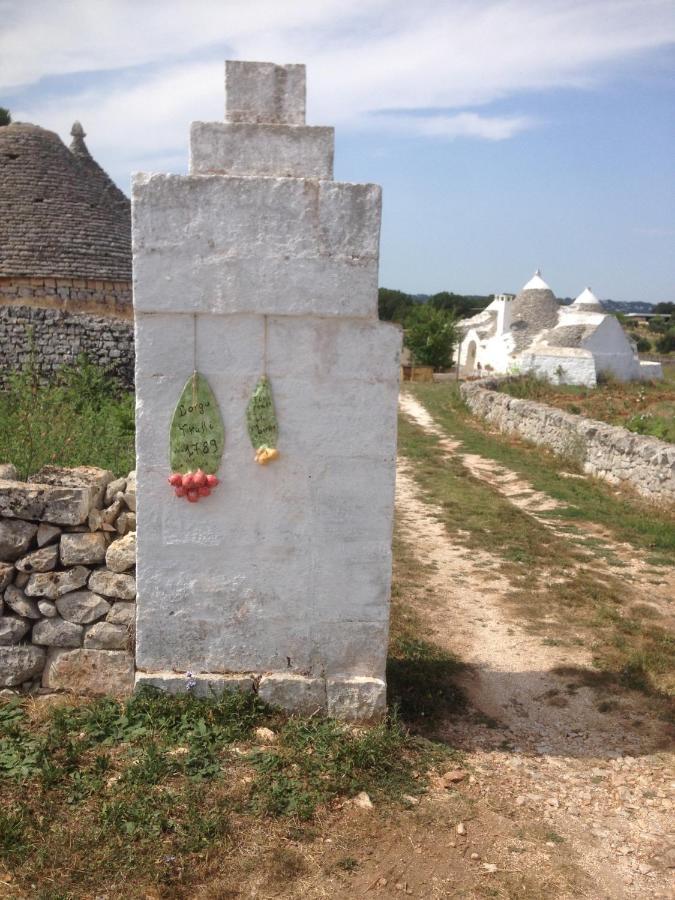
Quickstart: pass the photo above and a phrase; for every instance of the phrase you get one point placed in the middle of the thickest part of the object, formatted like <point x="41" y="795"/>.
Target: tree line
<point x="430" y="322"/>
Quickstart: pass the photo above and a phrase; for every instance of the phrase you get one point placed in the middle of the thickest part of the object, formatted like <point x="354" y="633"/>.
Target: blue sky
<point x="507" y="134"/>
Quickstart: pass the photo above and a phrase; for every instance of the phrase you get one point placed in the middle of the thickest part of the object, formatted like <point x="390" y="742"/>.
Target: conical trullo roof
<point x="532" y="310"/>
<point x="588" y="301"/>
<point x="60" y="214"/>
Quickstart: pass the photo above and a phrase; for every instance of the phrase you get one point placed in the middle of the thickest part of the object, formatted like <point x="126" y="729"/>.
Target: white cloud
<point x="363" y="57"/>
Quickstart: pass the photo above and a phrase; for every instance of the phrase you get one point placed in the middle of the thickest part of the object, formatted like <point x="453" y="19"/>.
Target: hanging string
<point x="265" y="346"/>
<point x="194" y="358"/>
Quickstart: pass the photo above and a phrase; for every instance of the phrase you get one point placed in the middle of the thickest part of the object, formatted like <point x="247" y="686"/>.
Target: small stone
<point x="129" y="498"/>
<point x="12" y="630"/>
<point x="82" y="607"/>
<point x="450" y="778"/>
<point x="57" y="633"/>
<point x="363" y="801"/>
<point x="475" y="856"/>
<point x="47" y="608"/>
<point x="47" y="534"/>
<point x="490" y="867"/>
<point x="121" y="554"/>
<point x="110" y="513"/>
<point x="56" y="584"/>
<point x="119" y="485"/>
<point x="8" y="472"/>
<point x="95" y="520"/>
<point x="6" y="575"/>
<point x="106" y="636"/>
<point x="89" y="672"/>
<point x="413" y="801"/>
<point x="265" y="735"/>
<point x="520" y="800"/>
<point x="113" y="584"/>
<point x="381" y="882"/>
<point x="15" y="538"/>
<point x="461" y="828"/>
<point x="20" y="603"/>
<point x="131" y="481"/>
<point x="126" y="522"/>
<point x="82" y="549"/>
<point x="20" y="663"/>
<point x="43" y="560"/>
<point x="122" y="614"/>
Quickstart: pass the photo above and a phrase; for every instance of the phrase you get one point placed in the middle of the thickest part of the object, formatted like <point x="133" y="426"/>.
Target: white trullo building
<point x="533" y="332"/>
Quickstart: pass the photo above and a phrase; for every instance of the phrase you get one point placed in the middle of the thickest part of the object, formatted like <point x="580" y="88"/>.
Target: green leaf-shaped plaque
<point x="261" y="417"/>
<point x="197" y="434"/>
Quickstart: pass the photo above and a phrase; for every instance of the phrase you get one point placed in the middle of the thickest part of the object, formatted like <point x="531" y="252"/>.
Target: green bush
<point x="430" y="335"/>
<point x="82" y="417"/>
<point x="666" y="344"/>
<point x="643" y="345"/>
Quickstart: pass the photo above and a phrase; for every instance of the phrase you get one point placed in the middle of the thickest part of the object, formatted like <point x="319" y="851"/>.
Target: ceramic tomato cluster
<point x="193" y="485"/>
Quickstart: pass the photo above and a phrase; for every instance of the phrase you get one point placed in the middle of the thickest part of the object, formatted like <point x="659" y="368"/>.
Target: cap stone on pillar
<point x="264" y="131"/>
<point x="264" y="93"/>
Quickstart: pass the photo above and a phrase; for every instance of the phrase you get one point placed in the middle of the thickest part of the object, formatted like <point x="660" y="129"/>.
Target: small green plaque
<point x="262" y="422"/>
<point x="197" y="434"/>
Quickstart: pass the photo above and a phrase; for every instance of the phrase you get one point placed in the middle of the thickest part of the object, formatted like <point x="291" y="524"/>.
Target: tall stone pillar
<point x="257" y="261"/>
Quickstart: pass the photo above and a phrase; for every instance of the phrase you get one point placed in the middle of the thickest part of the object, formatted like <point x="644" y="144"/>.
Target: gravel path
<point x="602" y="781"/>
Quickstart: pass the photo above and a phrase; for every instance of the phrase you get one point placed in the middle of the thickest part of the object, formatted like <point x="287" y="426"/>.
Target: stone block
<point x="107" y="636"/>
<point x="90" y="672"/>
<point x="118" y="485"/>
<point x="201" y="685"/>
<point x="47" y="534"/>
<point x="6" y="575"/>
<point x="58" y="505"/>
<point x="20" y="603"/>
<point x="82" y="607"/>
<point x="271" y="249"/>
<point x="20" y="663"/>
<point x="264" y="92"/>
<point x="13" y="629"/>
<point x="83" y="549"/>
<point x="113" y="584"/>
<point x="15" y="538"/>
<point x="357" y="699"/>
<point x="87" y="477"/>
<point x="56" y="632"/>
<point x="122" y="614"/>
<point x="295" y="693"/>
<point x="47" y="608"/>
<point x="121" y="554"/>
<point x="43" y="560"/>
<point x="55" y="584"/>
<point x="288" y="151"/>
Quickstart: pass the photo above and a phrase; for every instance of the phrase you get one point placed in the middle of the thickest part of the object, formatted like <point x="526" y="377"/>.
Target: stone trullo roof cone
<point x="588" y="301"/>
<point x="533" y="309"/>
<point x="60" y="214"/>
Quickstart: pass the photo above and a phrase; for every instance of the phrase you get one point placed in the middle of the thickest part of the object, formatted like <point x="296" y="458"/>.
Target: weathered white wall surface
<point x="614" y="454"/>
<point x="284" y="572"/>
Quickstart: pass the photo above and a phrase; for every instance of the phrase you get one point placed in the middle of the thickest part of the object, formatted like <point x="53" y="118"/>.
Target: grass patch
<point x="637" y="522"/>
<point x="82" y="417"/>
<point x="164" y="791"/>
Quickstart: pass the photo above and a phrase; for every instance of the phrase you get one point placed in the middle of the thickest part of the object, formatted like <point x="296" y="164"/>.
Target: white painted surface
<point x="536" y="283"/>
<point x="284" y="570"/>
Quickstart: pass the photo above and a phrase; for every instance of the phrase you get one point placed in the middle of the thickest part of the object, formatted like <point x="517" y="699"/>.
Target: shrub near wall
<point x="67" y="582"/>
<point x="607" y="451"/>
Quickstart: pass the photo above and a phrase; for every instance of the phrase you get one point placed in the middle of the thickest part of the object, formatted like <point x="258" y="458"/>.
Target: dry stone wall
<point x="67" y="581"/>
<point x="606" y="451"/>
<point x="54" y="338"/>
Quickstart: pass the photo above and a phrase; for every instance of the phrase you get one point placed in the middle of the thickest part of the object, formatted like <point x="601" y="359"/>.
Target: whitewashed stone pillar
<point x="280" y="580"/>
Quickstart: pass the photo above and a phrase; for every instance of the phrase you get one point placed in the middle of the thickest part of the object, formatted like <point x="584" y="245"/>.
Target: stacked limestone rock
<point x="67" y="580"/>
